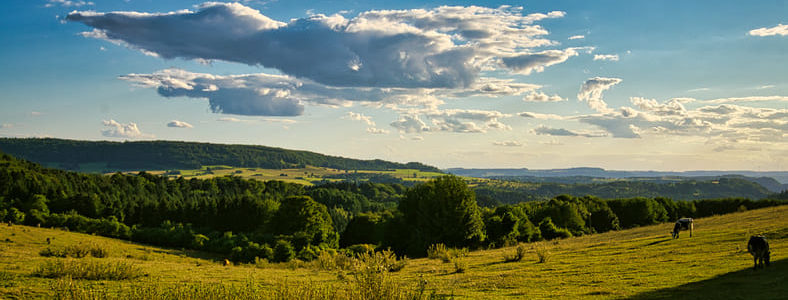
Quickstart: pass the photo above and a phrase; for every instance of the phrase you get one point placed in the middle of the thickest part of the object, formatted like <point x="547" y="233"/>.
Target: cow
<point x="682" y="224"/>
<point x="759" y="248"/>
<point x="226" y="262"/>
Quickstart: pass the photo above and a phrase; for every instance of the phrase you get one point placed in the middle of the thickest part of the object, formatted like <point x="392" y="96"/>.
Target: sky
<point x="623" y="85"/>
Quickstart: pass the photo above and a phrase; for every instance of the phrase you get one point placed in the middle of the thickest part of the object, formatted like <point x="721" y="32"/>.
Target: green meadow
<point x="305" y="176"/>
<point x="639" y="263"/>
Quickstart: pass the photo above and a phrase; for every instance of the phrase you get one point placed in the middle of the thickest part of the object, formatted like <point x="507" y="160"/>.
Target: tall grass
<point x="91" y="270"/>
<point x="445" y="254"/>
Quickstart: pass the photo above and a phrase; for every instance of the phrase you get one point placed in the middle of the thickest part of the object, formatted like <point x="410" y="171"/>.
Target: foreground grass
<point x="640" y="263"/>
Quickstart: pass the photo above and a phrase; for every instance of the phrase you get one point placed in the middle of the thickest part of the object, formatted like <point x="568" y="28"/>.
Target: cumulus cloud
<point x="360" y="117"/>
<point x="591" y="92"/>
<point x="725" y="121"/>
<point x="119" y="130"/>
<point x="541" y="97"/>
<point x="179" y="124"/>
<point x="67" y="3"/>
<point x="577" y="37"/>
<point x="374" y="130"/>
<point x="780" y="29"/>
<point x="536" y="62"/>
<point x="255" y="94"/>
<point x="508" y="143"/>
<point x="410" y="124"/>
<point x="443" y="47"/>
<point x="544" y="130"/>
<point x="610" y="57"/>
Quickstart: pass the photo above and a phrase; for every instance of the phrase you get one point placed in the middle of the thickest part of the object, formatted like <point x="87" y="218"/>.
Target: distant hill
<point x="774" y="181"/>
<point x="509" y="191"/>
<point x="105" y="156"/>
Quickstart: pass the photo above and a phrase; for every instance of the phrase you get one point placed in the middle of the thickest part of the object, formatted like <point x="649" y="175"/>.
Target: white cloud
<point x="229" y="119"/>
<point x="763" y="87"/>
<point x="544" y="130"/>
<point x="540" y="116"/>
<point x="703" y="89"/>
<point x="410" y="124"/>
<point x="508" y="144"/>
<point x="374" y="130"/>
<point x="725" y="121"/>
<point x="119" y="130"/>
<point x="577" y="37"/>
<point x="541" y="97"/>
<point x="6" y="125"/>
<point x="747" y="99"/>
<point x="536" y="62"/>
<point x="67" y="3"/>
<point x="179" y="124"/>
<point x="255" y="94"/>
<point x="610" y="57"/>
<point x="780" y="29"/>
<point x="591" y="91"/>
<point x="36" y="113"/>
<point x="360" y="117"/>
<point x="444" y="47"/>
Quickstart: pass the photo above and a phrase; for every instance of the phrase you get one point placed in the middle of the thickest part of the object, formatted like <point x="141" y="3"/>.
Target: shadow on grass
<point x="768" y="283"/>
<point x="659" y="242"/>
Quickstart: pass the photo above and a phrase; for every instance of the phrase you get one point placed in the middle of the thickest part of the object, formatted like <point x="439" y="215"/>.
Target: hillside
<point x="104" y="156"/>
<point x="640" y="263"/>
<point x="509" y="192"/>
<point x="774" y="181"/>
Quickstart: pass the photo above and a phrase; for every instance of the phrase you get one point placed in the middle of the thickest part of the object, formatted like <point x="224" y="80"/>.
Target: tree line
<point x="247" y="219"/>
<point x="168" y="155"/>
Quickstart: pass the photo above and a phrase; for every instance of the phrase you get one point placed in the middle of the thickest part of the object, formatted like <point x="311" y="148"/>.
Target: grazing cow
<point x="226" y="262"/>
<point x="759" y="248"/>
<point x="682" y="224"/>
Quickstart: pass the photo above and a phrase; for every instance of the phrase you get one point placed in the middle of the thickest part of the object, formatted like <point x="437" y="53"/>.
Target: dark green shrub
<point x="283" y="251"/>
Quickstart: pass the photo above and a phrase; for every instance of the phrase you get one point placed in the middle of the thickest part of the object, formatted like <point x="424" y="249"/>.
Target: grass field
<point x="640" y="263"/>
<point x="305" y="176"/>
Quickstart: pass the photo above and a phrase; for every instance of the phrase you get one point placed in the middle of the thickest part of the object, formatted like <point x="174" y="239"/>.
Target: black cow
<point x="759" y="248"/>
<point x="682" y="224"/>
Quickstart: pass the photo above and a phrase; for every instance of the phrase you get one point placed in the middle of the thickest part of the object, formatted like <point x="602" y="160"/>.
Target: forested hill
<point x="104" y="156"/>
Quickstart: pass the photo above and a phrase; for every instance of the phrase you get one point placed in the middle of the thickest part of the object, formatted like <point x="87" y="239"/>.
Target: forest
<point x="105" y="157"/>
<point x="248" y="219"/>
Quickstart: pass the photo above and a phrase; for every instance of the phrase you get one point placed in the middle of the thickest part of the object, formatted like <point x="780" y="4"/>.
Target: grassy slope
<point x="638" y="263"/>
<point x="303" y="176"/>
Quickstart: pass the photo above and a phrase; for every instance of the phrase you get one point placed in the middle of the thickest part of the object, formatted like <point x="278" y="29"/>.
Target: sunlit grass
<point x="643" y="262"/>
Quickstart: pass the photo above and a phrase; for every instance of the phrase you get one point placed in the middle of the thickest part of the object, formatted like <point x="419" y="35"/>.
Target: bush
<point x="90" y="270"/>
<point x="440" y="251"/>
<point x="518" y="255"/>
<point x="460" y="265"/>
<point x="360" y="248"/>
<point x="75" y="251"/>
<point x="543" y="254"/>
<point x="283" y="251"/>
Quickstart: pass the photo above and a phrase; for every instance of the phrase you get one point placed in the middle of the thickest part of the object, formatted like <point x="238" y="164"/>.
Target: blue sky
<point x="632" y="85"/>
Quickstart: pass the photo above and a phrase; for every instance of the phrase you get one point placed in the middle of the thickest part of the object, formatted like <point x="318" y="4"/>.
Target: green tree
<point x="302" y="214"/>
<point x="550" y="231"/>
<point x="443" y="210"/>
